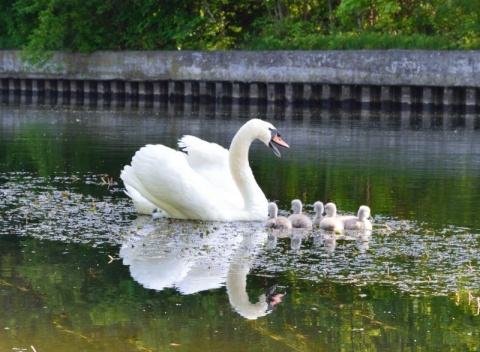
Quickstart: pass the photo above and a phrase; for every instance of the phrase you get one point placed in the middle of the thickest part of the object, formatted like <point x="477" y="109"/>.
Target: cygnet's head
<point x="272" y="210"/>
<point x="331" y="209"/>
<point x="318" y="207"/>
<point x="363" y="212"/>
<point x="297" y="206"/>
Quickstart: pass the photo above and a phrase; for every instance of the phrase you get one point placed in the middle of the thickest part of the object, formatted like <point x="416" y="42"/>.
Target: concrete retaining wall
<point x="406" y="77"/>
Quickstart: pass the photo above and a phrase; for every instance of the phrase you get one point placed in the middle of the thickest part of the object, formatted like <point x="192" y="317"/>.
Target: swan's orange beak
<point x="277" y="140"/>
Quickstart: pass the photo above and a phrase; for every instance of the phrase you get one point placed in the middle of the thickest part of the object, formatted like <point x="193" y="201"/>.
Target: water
<point x="79" y="271"/>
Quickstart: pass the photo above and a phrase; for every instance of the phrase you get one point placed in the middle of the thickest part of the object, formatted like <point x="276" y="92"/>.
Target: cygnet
<point x="330" y="222"/>
<point x="298" y="219"/>
<point x="359" y="222"/>
<point x="318" y="208"/>
<point x="275" y="221"/>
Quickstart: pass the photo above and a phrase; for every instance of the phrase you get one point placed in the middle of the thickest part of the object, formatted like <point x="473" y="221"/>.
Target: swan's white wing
<point x="211" y="161"/>
<point x="202" y="154"/>
<point x="165" y="178"/>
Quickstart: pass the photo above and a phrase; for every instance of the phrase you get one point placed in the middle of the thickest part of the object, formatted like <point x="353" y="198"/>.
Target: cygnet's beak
<point x="277" y="140"/>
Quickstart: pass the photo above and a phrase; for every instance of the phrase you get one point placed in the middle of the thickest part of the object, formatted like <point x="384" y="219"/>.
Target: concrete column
<point x="366" y="96"/>
<point x="258" y="91"/>
<point x="89" y="87"/>
<point x="346" y="93"/>
<point x="326" y="92"/>
<point x="428" y="96"/>
<point x="128" y="90"/>
<point x="142" y="89"/>
<point x="471" y="97"/>
<point x="406" y="95"/>
<point x="24" y="86"/>
<point x="331" y="92"/>
<point x="187" y="89"/>
<point x="35" y="87"/>
<point x="289" y="93"/>
<point x="195" y="88"/>
<point x="448" y="96"/>
<point x="385" y="94"/>
<point x="77" y="91"/>
<point x="238" y="91"/>
<point x="219" y="91"/>
<point x="271" y="92"/>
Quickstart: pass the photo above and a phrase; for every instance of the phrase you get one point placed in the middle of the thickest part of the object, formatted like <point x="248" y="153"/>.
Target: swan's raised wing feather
<point x="202" y="154"/>
<point x="211" y="161"/>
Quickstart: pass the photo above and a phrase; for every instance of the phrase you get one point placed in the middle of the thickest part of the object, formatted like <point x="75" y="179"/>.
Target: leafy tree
<point x="90" y="25"/>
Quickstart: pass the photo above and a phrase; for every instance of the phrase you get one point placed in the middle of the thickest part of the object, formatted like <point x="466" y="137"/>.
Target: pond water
<point x="80" y="271"/>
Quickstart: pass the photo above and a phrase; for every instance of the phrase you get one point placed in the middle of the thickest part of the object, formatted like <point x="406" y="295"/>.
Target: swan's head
<point x="296" y="206"/>
<point x="330" y="209"/>
<point x="268" y="134"/>
<point x="275" y="141"/>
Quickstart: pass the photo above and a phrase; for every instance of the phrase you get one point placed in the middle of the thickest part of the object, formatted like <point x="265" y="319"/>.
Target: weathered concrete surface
<point x="365" y="67"/>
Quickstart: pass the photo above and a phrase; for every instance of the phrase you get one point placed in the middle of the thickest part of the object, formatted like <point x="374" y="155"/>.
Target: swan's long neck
<point x="240" y="168"/>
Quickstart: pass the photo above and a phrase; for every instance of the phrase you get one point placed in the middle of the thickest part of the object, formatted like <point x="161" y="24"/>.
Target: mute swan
<point x="204" y="181"/>
<point x="359" y="222"/>
<point x="318" y="207"/>
<point x="275" y="221"/>
<point x="330" y="222"/>
<point x="298" y="219"/>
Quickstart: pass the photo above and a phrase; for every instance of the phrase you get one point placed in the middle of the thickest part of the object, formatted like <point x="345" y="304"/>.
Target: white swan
<point x="205" y="181"/>
<point x="330" y="222"/>
<point x="318" y="208"/>
<point x="275" y="221"/>
<point x="359" y="222"/>
<point x="298" y="219"/>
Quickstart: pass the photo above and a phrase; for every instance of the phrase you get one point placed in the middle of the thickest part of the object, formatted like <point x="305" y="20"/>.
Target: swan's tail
<point x="142" y="205"/>
<point x="151" y="177"/>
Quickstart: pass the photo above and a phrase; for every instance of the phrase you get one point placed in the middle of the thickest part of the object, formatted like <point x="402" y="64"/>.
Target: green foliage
<point x="40" y="26"/>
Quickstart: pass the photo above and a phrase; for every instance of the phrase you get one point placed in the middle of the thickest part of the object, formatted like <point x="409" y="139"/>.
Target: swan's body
<point x="204" y="181"/>
<point x="298" y="219"/>
<point x="330" y="222"/>
<point x="318" y="208"/>
<point x="275" y="221"/>
<point x="359" y="222"/>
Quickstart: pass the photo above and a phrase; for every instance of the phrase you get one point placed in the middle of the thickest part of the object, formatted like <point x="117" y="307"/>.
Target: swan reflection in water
<point x="194" y="256"/>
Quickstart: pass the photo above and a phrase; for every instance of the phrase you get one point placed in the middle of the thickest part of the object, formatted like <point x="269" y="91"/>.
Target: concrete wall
<point x="365" y="68"/>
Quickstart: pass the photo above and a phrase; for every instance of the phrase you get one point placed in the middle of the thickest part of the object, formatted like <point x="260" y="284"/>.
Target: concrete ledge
<point x="365" y="67"/>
